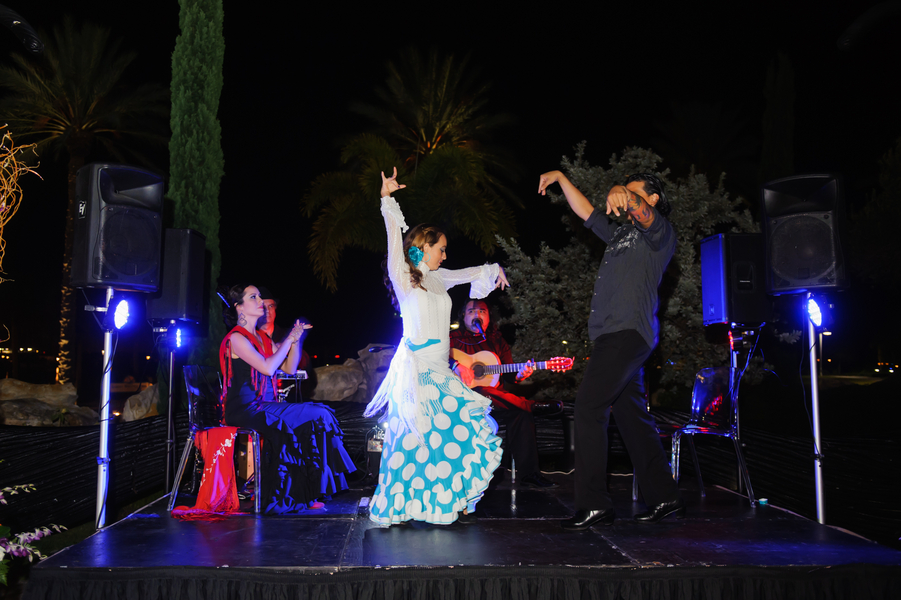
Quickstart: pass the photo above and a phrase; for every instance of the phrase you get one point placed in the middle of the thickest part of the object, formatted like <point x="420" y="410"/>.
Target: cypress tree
<point x="195" y="150"/>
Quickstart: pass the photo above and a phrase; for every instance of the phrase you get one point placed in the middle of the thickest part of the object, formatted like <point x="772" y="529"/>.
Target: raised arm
<point x="576" y="199"/>
<point x="395" y="227"/>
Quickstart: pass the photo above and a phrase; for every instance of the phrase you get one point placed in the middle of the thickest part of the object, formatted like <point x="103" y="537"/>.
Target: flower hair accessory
<point x="415" y="254"/>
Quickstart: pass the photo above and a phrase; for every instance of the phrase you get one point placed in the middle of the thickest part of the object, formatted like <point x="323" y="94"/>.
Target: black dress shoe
<point x="546" y="409"/>
<point x="466" y="518"/>
<point x="536" y="480"/>
<point x="583" y="519"/>
<point x="662" y="510"/>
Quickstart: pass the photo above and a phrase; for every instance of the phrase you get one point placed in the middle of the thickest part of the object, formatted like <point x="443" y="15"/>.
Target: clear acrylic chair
<point x="205" y="412"/>
<point x="714" y="411"/>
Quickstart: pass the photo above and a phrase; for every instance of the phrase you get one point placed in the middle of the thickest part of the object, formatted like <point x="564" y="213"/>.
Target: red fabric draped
<point x="225" y="360"/>
<point x="218" y="494"/>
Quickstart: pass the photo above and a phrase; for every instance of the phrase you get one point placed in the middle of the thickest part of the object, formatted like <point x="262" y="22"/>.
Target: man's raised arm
<point x="577" y="200"/>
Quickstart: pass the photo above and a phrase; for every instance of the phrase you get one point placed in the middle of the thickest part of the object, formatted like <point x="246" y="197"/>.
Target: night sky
<point x="606" y="74"/>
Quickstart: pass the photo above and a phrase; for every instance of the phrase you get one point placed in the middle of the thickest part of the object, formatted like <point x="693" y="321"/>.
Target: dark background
<point x="602" y="72"/>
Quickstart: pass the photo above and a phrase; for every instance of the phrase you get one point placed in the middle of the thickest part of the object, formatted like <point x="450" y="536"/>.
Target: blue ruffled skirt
<point x="444" y="466"/>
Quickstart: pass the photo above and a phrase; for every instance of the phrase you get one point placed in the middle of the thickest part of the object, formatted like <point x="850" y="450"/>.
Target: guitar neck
<point x="512" y="368"/>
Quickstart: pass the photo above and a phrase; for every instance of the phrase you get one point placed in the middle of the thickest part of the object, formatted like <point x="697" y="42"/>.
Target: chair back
<point x="713" y="398"/>
<point x="204" y="389"/>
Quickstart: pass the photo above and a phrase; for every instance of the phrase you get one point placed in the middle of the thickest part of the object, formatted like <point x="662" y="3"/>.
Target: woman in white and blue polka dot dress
<point x="440" y="448"/>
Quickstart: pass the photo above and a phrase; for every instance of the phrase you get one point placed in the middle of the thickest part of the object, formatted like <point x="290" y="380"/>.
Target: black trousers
<point x="614" y="380"/>
<point x="519" y="441"/>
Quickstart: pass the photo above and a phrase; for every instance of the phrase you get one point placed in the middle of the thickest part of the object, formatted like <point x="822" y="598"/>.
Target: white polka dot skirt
<point x="437" y="480"/>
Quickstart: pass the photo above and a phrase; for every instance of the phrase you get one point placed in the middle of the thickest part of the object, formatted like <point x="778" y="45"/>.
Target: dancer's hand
<point x="501" y="279"/>
<point x="390" y="185"/>
<point x="547" y="179"/>
<point x="618" y="199"/>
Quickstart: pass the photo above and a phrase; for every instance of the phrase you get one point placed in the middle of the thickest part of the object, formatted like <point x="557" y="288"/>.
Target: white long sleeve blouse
<point x="426" y="309"/>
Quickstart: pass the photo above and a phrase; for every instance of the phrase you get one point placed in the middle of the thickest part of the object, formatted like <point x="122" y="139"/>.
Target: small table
<point x="282" y="378"/>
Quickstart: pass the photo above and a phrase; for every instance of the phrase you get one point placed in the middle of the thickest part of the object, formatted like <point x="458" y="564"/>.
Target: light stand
<point x="103" y="459"/>
<point x="171" y="344"/>
<point x="815" y="409"/>
<point x="735" y="343"/>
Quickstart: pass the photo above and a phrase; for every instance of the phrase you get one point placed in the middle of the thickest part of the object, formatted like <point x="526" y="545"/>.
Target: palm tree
<point x="72" y="102"/>
<point x="432" y="127"/>
<point x="450" y="187"/>
<point x="432" y="101"/>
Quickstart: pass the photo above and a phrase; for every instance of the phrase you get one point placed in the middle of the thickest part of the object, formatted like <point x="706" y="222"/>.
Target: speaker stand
<point x="103" y="460"/>
<point x="170" y="420"/>
<point x="815" y="409"/>
<point x="735" y="342"/>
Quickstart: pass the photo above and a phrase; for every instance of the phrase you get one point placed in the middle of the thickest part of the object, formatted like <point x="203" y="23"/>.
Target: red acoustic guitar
<point x="487" y="367"/>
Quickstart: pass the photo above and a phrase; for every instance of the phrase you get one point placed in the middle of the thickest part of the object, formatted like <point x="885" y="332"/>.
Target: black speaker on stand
<point x="803" y="217"/>
<point x="116" y="246"/>
<point x="181" y="296"/>
<point x="118" y="228"/>
<point x="179" y="301"/>
<point x="733" y="280"/>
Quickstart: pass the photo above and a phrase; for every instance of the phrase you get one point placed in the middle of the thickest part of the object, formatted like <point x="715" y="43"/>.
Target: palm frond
<point x="347" y="222"/>
<point x="328" y="189"/>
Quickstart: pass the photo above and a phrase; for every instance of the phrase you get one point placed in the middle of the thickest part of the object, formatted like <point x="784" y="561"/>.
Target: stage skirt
<point x="443" y="467"/>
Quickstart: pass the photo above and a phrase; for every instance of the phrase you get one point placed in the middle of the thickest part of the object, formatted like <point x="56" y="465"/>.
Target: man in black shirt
<point x="624" y="330"/>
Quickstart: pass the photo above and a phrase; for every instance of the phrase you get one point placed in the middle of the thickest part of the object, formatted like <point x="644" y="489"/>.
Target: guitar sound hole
<point x="478" y="371"/>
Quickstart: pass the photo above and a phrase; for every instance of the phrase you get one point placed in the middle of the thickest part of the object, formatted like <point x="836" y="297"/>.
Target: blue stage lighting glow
<point x="813" y="311"/>
<point x="178" y="338"/>
<point x="121" y="315"/>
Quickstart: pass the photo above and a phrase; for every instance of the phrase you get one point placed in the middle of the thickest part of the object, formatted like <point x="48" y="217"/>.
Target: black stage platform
<point x="516" y="549"/>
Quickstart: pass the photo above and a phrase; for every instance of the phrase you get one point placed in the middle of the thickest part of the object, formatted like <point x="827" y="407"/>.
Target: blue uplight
<point x="813" y="311"/>
<point x="121" y="315"/>
<point x="178" y="338"/>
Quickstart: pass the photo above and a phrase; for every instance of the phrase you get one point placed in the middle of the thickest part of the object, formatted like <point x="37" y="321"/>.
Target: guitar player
<point x="516" y="412"/>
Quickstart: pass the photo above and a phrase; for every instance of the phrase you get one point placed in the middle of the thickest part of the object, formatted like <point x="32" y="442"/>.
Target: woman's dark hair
<point x="653" y="185"/>
<point x="386" y="279"/>
<point x="234" y="296"/>
<point x="418" y="236"/>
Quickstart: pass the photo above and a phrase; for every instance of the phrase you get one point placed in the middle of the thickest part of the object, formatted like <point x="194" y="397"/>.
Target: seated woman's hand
<point x="390" y="185"/>
<point x="299" y="331"/>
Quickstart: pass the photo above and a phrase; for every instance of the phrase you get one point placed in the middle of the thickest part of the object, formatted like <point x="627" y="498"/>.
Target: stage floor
<point x="516" y="527"/>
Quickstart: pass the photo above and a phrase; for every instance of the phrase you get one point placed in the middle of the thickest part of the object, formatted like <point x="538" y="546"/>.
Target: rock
<point x="339" y="382"/>
<point x="144" y="404"/>
<point x="376" y="365"/>
<point x="53" y="394"/>
<point x="35" y="413"/>
<point x="42" y="405"/>
<point x="357" y="379"/>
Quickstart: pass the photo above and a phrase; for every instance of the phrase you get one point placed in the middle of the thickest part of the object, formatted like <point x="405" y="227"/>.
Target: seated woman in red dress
<point x="303" y="454"/>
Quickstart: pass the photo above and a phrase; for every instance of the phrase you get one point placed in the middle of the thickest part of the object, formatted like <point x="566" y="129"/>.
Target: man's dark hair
<point x="265" y="294"/>
<point x="653" y="185"/>
<point x="461" y="314"/>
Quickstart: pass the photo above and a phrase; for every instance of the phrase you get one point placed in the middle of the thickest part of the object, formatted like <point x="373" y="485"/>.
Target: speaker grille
<point x="802" y="250"/>
<point x="129" y="245"/>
